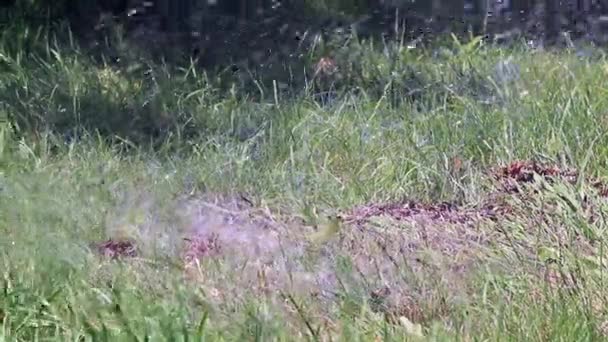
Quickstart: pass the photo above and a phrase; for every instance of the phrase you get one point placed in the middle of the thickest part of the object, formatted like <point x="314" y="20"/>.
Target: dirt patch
<point x="223" y="225"/>
<point x="403" y="259"/>
<point x="114" y="249"/>
<point x="516" y="173"/>
<point x="410" y="210"/>
<point x="454" y="239"/>
<point x="508" y="180"/>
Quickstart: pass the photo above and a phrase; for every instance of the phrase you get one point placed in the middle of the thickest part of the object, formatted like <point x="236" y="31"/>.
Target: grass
<point x="535" y="274"/>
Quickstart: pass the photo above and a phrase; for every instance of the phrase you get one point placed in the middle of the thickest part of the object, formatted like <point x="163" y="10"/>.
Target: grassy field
<point x="410" y="207"/>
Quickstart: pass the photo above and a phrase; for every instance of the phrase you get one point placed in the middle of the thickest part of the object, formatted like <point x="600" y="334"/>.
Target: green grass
<point x="297" y="161"/>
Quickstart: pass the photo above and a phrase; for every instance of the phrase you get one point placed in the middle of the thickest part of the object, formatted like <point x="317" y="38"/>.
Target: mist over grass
<point x="224" y="190"/>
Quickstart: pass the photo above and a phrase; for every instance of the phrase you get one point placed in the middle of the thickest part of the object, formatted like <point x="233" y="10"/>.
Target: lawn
<point x="452" y="193"/>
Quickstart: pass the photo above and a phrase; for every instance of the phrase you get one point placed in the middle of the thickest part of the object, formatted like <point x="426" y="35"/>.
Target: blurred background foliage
<point x="225" y="51"/>
<point x="260" y="32"/>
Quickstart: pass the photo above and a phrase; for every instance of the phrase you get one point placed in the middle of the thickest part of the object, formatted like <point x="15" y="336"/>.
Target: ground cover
<point x="449" y="194"/>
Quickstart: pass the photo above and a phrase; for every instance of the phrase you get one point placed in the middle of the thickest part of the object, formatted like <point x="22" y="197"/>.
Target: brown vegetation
<point x="392" y="247"/>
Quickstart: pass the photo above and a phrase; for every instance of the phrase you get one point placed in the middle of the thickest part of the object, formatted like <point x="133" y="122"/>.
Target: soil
<point x="391" y="245"/>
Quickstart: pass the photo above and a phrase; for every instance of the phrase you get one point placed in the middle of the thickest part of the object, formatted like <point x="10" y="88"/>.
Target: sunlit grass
<point x="64" y="185"/>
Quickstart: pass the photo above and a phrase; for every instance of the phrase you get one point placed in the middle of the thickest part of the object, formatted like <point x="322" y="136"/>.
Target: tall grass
<point x="76" y="168"/>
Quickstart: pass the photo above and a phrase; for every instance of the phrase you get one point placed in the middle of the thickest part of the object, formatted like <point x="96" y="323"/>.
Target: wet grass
<point x="233" y="217"/>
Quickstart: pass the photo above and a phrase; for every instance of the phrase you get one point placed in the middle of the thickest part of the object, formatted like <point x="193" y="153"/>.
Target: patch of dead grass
<point x="404" y="259"/>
